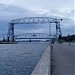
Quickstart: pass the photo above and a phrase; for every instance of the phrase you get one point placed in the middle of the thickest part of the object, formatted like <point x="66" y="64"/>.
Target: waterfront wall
<point x="44" y="65"/>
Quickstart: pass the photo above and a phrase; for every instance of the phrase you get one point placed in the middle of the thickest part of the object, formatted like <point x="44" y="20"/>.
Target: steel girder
<point x="33" y="20"/>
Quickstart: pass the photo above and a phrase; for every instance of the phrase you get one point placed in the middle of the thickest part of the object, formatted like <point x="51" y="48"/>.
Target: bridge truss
<point x="34" y="36"/>
<point x="33" y="20"/>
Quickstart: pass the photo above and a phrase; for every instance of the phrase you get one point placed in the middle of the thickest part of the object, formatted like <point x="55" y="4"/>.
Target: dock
<point x="43" y="67"/>
<point x="62" y="62"/>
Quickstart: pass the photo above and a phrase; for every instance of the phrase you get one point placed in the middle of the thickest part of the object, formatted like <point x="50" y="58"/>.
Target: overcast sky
<point x="11" y="9"/>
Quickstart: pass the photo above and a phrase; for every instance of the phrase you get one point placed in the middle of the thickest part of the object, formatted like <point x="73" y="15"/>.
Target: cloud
<point x="22" y="31"/>
<point x="9" y="11"/>
<point x="44" y="4"/>
<point x="12" y="9"/>
<point x="6" y="1"/>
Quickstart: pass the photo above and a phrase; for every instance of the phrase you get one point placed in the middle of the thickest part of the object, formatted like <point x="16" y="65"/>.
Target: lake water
<point x="20" y="59"/>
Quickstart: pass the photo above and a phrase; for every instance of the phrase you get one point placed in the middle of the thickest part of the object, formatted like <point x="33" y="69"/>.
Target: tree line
<point x="68" y="38"/>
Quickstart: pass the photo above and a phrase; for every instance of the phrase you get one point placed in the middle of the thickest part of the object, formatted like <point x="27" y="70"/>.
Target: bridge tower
<point x="58" y="29"/>
<point x="10" y="36"/>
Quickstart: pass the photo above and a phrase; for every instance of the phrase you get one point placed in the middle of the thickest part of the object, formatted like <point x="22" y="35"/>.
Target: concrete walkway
<point x="63" y="60"/>
<point x="43" y="67"/>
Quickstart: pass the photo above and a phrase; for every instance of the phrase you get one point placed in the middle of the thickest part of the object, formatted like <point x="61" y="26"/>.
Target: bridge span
<point x="34" y="20"/>
<point x="34" y="36"/>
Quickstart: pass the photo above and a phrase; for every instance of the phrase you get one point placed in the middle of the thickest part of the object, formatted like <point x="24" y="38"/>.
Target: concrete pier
<point x="63" y="59"/>
<point x="43" y="67"/>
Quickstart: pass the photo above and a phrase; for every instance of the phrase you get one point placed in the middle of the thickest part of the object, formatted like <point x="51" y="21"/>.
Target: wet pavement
<point x="63" y="59"/>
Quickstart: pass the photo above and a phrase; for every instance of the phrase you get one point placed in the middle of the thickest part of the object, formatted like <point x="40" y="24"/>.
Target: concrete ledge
<point x="43" y="67"/>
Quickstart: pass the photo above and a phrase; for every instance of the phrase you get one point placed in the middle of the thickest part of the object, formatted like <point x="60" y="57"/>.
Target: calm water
<point x="20" y="59"/>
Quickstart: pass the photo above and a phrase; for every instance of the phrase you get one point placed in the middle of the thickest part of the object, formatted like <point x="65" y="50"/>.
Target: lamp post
<point x="50" y="34"/>
<point x="49" y="72"/>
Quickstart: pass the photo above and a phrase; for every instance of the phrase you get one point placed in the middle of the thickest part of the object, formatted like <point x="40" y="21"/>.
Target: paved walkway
<point x="63" y="60"/>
